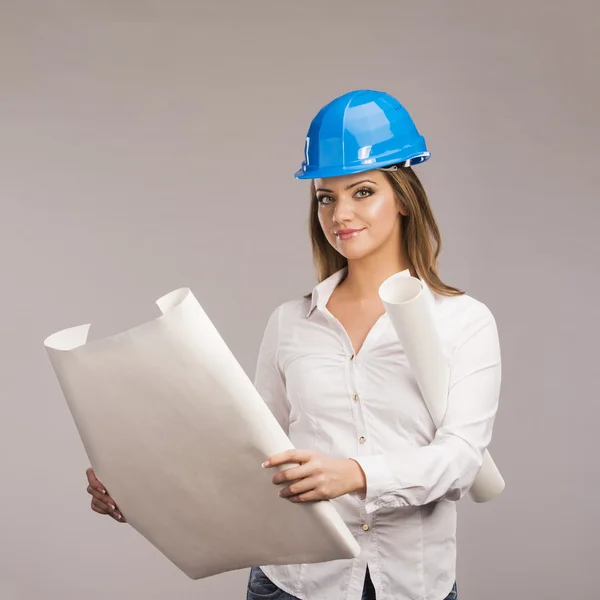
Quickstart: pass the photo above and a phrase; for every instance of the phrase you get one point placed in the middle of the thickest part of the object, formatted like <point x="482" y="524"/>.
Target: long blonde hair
<point x="420" y="234"/>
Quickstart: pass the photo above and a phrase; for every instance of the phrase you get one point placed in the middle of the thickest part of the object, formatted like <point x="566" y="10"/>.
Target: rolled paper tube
<point x="411" y="314"/>
<point x="177" y="433"/>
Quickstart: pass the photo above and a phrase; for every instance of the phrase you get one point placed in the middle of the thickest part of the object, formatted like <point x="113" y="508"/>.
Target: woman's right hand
<point x="102" y="503"/>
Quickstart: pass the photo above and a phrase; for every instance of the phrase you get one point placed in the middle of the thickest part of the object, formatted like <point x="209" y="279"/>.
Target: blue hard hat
<point x="359" y="131"/>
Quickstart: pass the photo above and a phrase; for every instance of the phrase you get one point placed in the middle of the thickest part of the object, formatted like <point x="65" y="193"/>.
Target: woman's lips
<point x="347" y="234"/>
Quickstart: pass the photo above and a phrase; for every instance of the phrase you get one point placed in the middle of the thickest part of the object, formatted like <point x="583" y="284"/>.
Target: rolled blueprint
<point x="177" y="433"/>
<point x="412" y="317"/>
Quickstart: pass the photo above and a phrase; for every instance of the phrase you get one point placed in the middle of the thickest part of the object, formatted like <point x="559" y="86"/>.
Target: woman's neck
<point x="366" y="275"/>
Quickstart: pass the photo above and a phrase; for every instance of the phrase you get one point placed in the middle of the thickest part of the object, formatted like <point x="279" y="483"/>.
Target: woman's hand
<point x="318" y="477"/>
<point x="101" y="502"/>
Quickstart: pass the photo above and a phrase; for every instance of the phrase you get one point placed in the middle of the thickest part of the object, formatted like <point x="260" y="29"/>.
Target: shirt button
<point x="365" y="527"/>
<point x="355" y="398"/>
<point x="362" y="439"/>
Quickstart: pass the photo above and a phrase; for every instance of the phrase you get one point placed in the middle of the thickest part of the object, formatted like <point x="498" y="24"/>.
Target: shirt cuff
<point x="380" y="483"/>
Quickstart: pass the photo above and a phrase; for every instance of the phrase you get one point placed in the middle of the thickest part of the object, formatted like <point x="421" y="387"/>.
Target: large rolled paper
<point x="177" y="432"/>
<point x="412" y="317"/>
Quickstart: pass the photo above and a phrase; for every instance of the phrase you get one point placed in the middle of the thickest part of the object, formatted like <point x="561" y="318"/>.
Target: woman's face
<point x="359" y="213"/>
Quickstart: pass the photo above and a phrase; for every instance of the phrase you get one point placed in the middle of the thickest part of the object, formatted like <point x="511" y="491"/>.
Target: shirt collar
<point x="322" y="291"/>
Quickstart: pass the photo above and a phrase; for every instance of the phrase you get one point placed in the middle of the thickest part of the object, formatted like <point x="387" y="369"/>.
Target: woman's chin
<point x="353" y="253"/>
<point x="352" y="249"/>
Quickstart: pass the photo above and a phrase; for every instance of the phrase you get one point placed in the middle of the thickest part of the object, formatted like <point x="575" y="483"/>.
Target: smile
<point x="348" y="234"/>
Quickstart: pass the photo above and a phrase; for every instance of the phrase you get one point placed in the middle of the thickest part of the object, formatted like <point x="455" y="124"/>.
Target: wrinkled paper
<point x="177" y="433"/>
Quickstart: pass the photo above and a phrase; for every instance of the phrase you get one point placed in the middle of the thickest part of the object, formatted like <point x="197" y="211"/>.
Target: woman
<point x="335" y="376"/>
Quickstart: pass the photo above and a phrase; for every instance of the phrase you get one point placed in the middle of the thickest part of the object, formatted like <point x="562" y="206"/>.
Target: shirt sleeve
<point x="269" y="380"/>
<point x="448" y="465"/>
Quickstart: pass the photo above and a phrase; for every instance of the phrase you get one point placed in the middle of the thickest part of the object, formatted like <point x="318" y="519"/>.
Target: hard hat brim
<point x="338" y="171"/>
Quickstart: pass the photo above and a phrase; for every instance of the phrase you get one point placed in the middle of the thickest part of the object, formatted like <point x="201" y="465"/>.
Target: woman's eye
<point x="364" y="192"/>
<point x="361" y="193"/>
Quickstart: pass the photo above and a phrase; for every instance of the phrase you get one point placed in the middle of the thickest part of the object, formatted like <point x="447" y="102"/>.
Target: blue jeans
<point x="260" y="587"/>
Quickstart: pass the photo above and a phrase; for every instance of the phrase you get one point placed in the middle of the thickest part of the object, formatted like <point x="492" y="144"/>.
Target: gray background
<point x="150" y="145"/>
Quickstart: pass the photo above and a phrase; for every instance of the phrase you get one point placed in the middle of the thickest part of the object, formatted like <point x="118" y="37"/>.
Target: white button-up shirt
<point x="368" y="407"/>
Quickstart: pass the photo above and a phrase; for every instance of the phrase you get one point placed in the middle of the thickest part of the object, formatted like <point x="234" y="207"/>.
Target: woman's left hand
<point x="318" y="477"/>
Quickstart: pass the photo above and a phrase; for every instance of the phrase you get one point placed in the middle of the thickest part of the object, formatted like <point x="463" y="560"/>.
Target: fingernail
<point x="265" y="464"/>
<point x="113" y="506"/>
<point x="119" y="516"/>
<point x="103" y="491"/>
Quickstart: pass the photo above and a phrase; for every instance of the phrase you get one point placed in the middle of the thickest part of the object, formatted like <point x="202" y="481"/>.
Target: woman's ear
<point x="402" y="210"/>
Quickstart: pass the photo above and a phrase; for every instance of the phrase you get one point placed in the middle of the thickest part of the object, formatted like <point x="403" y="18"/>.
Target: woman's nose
<point x="342" y="210"/>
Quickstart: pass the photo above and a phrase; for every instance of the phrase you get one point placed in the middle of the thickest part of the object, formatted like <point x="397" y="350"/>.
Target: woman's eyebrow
<point x="348" y="186"/>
